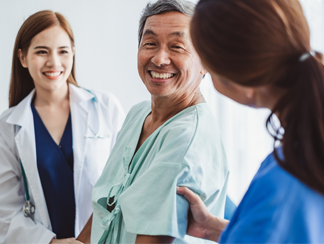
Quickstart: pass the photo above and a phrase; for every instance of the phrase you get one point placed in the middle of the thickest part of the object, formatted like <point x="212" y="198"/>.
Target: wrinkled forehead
<point x="168" y="24"/>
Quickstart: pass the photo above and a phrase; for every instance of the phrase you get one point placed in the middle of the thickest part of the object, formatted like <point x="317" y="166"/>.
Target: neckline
<point x="131" y="166"/>
<point x="49" y="134"/>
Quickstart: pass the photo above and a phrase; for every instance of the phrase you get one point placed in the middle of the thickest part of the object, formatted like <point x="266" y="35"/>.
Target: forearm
<point x="86" y="232"/>
<point x="215" y="228"/>
<point x="143" y="239"/>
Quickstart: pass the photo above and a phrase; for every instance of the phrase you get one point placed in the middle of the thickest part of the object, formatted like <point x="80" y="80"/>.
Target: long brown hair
<point x="21" y="83"/>
<point x="260" y="42"/>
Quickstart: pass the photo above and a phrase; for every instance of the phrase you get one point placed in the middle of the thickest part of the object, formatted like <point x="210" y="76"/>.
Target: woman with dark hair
<point x="54" y="139"/>
<point x="258" y="54"/>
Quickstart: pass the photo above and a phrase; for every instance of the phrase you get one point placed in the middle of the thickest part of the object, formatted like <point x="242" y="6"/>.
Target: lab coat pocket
<point x="98" y="151"/>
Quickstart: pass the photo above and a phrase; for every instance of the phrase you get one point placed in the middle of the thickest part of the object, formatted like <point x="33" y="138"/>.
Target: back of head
<point x="21" y="83"/>
<point x="162" y="6"/>
<point x="260" y="42"/>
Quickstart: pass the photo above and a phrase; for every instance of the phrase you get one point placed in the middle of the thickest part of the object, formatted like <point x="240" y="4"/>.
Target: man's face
<point x="167" y="61"/>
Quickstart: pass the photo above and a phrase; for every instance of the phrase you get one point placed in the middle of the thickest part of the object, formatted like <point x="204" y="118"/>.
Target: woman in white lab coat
<point x="55" y="136"/>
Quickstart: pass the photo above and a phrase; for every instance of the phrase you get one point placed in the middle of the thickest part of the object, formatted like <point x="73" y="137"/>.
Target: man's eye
<point x="177" y="47"/>
<point x="41" y="52"/>
<point x="149" y="44"/>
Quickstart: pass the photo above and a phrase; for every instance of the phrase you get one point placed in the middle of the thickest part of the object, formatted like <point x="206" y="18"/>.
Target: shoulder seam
<point x="189" y="145"/>
<point x="192" y="137"/>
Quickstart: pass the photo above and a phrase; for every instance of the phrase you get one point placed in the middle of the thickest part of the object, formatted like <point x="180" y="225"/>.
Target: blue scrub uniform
<point x="277" y="208"/>
<point x="55" y="168"/>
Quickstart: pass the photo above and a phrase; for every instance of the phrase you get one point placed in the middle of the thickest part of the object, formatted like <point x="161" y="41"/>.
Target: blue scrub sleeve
<point x="258" y="217"/>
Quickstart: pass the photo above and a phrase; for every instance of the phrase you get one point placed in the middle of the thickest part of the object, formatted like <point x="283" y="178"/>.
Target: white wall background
<point x="106" y="59"/>
<point x="105" y="38"/>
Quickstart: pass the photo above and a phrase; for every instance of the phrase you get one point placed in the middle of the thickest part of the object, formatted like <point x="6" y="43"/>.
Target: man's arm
<point x="201" y="223"/>
<point x="142" y="239"/>
<point x="86" y="232"/>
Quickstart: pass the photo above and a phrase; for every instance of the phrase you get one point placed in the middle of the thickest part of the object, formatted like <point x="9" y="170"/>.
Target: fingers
<point x="65" y="241"/>
<point x="71" y="240"/>
<point x="75" y="241"/>
<point x="188" y="194"/>
<point x="198" y="211"/>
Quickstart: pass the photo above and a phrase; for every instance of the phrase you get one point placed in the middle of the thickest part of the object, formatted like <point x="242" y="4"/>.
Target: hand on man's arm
<point x="201" y="223"/>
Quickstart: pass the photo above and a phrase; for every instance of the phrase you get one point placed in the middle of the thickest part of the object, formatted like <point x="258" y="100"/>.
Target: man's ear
<point x="203" y="71"/>
<point x="22" y="58"/>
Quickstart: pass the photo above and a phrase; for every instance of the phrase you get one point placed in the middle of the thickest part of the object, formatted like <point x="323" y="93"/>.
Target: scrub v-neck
<point x="55" y="168"/>
<point x="66" y="141"/>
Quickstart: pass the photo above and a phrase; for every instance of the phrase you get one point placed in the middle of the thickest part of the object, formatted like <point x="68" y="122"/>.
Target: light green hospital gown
<point x="185" y="151"/>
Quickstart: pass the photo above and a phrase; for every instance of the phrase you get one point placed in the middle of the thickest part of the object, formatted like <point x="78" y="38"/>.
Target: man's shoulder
<point x="207" y="122"/>
<point x="195" y="122"/>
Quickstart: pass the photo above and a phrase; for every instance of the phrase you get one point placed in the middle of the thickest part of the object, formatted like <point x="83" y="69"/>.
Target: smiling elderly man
<point x="167" y="142"/>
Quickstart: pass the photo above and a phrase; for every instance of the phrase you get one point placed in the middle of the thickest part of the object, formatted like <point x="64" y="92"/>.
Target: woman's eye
<point x="64" y="52"/>
<point x="177" y="47"/>
<point x="41" y="52"/>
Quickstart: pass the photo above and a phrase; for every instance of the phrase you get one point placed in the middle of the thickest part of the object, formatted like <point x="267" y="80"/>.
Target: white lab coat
<point x="17" y="141"/>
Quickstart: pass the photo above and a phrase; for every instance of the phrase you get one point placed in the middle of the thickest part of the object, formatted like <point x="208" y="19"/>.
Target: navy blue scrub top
<point x="55" y="168"/>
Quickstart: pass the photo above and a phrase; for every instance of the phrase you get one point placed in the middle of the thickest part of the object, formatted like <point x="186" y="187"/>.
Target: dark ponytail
<point x="302" y="113"/>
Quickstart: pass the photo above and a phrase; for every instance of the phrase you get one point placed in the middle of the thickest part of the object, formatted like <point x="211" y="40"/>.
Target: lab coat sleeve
<point x="14" y="226"/>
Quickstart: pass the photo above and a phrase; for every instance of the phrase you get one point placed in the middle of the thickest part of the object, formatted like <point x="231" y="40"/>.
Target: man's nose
<point x="161" y="58"/>
<point x="53" y="60"/>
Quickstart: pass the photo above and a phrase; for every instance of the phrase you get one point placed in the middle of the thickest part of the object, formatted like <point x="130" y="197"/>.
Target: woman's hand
<point x="201" y="223"/>
<point x="65" y="241"/>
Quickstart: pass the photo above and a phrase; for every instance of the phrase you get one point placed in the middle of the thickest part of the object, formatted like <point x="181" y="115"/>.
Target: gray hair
<point x="162" y="6"/>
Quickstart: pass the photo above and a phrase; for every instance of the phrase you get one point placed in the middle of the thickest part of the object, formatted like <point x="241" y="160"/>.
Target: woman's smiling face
<point x="49" y="58"/>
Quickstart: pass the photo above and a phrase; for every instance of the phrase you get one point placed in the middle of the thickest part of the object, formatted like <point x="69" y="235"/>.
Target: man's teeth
<point x="161" y="75"/>
<point x="53" y="74"/>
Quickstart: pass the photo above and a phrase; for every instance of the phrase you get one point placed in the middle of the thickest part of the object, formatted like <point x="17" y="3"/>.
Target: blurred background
<point x="106" y="59"/>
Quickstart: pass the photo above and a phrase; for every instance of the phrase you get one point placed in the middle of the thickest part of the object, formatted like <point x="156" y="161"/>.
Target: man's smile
<point x="163" y="76"/>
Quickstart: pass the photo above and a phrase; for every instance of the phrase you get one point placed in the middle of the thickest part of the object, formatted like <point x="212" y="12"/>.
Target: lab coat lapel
<point x="79" y="103"/>
<point x="25" y="140"/>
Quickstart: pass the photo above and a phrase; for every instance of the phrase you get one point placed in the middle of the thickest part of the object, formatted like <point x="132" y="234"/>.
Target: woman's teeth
<point x="53" y="74"/>
<point x="161" y="75"/>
